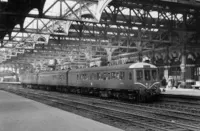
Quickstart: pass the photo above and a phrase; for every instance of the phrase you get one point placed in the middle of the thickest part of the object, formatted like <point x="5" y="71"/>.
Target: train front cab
<point x="147" y="80"/>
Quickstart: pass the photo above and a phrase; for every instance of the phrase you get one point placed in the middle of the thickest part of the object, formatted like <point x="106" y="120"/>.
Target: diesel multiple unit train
<point x="138" y="81"/>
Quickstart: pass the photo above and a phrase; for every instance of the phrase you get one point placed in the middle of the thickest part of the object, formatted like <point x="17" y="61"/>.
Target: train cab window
<point x="147" y="75"/>
<point x="139" y="75"/>
<point x="84" y="76"/>
<point x="130" y="75"/>
<point x="121" y="76"/>
<point x="154" y="74"/>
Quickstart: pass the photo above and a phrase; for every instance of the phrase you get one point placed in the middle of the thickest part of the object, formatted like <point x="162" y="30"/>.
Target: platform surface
<point x="17" y="83"/>
<point x="21" y="114"/>
<point x="181" y="91"/>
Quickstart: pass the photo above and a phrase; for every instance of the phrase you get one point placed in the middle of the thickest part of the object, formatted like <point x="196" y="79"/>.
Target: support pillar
<point x="139" y="45"/>
<point x="88" y="56"/>
<point x="88" y="53"/>
<point x="71" y="58"/>
<point x="109" y="51"/>
<point x="153" y="54"/>
<point x="166" y="72"/>
<point x="184" y="39"/>
<point x="183" y="66"/>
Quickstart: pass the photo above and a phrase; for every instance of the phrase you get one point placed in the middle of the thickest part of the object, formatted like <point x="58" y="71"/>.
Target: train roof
<point x="47" y="72"/>
<point x="142" y="65"/>
<point x="117" y="67"/>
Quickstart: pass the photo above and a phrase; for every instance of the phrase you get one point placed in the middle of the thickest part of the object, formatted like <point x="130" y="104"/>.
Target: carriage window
<point x="105" y="76"/>
<point x="113" y="75"/>
<point x="101" y="76"/>
<point x="154" y="74"/>
<point x="108" y="76"/>
<point x="139" y="75"/>
<point x="130" y="76"/>
<point x="121" y="75"/>
<point x="117" y="75"/>
<point x="147" y="75"/>
<point x="94" y="76"/>
<point x="98" y="76"/>
<point x="91" y="76"/>
<point x="80" y="77"/>
<point x="86" y="77"/>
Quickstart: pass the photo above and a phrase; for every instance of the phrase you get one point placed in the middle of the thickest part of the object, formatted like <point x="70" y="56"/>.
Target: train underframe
<point x="133" y="95"/>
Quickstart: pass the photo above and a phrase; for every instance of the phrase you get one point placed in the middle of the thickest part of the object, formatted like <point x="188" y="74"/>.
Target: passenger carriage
<point x="132" y="81"/>
<point x="129" y="80"/>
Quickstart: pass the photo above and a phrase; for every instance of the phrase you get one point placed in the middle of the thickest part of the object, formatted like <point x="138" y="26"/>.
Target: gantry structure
<point x="35" y="31"/>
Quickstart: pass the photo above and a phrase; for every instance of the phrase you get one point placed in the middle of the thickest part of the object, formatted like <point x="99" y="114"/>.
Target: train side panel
<point x="105" y="79"/>
<point x="111" y="80"/>
<point x="56" y="78"/>
<point x="72" y="79"/>
<point x="29" y="78"/>
<point x="111" y="77"/>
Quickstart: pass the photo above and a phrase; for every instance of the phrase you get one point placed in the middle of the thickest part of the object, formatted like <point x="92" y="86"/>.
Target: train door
<point x="130" y="77"/>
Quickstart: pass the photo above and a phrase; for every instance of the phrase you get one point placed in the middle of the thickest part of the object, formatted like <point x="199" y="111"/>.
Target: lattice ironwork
<point x="122" y="23"/>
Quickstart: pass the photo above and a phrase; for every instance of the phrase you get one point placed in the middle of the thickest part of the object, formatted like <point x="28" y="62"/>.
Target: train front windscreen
<point x="146" y="76"/>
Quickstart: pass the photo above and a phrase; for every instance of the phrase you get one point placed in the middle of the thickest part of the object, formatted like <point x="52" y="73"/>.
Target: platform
<point x="17" y="83"/>
<point x="21" y="114"/>
<point x="181" y="91"/>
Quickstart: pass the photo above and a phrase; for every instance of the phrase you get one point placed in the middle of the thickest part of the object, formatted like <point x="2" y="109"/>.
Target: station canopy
<point x="82" y="30"/>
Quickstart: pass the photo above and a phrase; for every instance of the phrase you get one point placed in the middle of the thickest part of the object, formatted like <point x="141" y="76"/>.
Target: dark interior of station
<point x="38" y="36"/>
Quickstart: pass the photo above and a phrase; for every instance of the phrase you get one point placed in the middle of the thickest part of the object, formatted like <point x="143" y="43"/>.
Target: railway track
<point x="140" y="116"/>
<point x="167" y="114"/>
<point x="175" y="110"/>
<point x="182" y="100"/>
